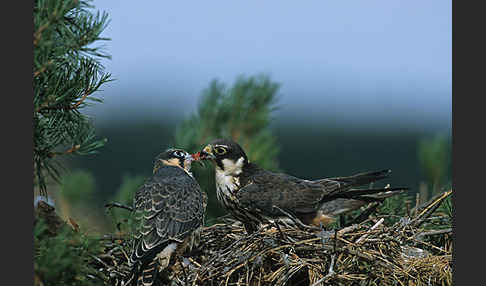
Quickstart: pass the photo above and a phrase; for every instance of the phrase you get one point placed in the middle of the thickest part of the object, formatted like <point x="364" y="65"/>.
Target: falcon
<point x="168" y="214"/>
<point x="254" y="195"/>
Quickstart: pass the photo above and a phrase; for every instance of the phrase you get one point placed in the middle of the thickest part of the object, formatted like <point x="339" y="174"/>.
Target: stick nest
<point x="377" y="251"/>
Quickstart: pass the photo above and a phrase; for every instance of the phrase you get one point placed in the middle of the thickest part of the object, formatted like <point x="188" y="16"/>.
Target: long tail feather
<point x="379" y="193"/>
<point x="361" y="178"/>
<point x="355" y="198"/>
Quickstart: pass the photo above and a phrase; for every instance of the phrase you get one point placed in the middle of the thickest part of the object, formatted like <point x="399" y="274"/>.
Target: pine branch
<point x="66" y="73"/>
<point x="68" y="151"/>
<point x="46" y="106"/>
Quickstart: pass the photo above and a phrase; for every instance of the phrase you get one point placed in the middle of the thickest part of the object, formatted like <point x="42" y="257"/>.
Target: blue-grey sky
<point x="343" y="61"/>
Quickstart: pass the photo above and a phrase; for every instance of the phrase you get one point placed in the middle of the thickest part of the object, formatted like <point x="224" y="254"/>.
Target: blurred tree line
<point x="435" y="159"/>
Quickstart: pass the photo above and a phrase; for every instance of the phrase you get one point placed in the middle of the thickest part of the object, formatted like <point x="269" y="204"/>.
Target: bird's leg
<point x="165" y="255"/>
<point x="296" y="220"/>
<point x="276" y="222"/>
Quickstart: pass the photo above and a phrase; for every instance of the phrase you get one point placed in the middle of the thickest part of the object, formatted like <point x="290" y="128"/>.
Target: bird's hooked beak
<point x="207" y="153"/>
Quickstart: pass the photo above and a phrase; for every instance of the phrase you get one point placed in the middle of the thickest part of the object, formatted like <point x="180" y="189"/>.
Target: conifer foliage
<point x="66" y="74"/>
<point x="241" y="112"/>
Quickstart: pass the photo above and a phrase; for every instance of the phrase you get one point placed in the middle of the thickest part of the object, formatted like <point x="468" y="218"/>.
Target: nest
<point x="405" y="252"/>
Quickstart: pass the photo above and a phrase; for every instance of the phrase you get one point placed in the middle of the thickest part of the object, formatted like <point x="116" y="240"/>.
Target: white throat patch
<point x="231" y="168"/>
<point x="227" y="180"/>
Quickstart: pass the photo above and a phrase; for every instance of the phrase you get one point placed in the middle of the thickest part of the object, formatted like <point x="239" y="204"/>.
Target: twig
<point x="194" y="262"/>
<point x="112" y="237"/>
<point x="43" y="68"/>
<point x="282" y="235"/>
<point x="348" y="229"/>
<point x="428" y="244"/>
<point x="78" y="103"/>
<point x="371" y="258"/>
<point x="434" y="232"/>
<point x="38" y="33"/>
<point x="100" y="261"/>
<point x="46" y="106"/>
<point x="195" y="279"/>
<point x="429" y="208"/>
<point x="118" y="205"/>
<point x="125" y="254"/>
<point x="363" y="238"/>
<point x="128" y="281"/>
<point x="68" y="151"/>
<point x="214" y="257"/>
<point x="329" y="274"/>
<point x="183" y="270"/>
<point x="366" y="213"/>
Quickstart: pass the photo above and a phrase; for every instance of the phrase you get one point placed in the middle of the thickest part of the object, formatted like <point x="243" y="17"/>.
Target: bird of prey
<point x="254" y="195"/>
<point x="169" y="212"/>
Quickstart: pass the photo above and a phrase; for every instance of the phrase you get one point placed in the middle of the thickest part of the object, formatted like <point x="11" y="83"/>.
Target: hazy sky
<point x="354" y="61"/>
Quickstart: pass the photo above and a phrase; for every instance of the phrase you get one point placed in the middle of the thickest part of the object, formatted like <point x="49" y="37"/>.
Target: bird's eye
<point x="179" y="154"/>
<point x="220" y="150"/>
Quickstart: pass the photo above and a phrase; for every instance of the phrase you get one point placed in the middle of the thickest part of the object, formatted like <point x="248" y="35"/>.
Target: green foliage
<point x="440" y="219"/>
<point x="393" y="208"/>
<point x="125" y="195"/>
<point x="435" y="160"/>
<point x="127" y="189"/>
<point x="447" y="208"/>
<point x="64" y="259"/>
<point x="242" y="113"/>
<point x="78" y="187"/>
<point x="66" y="74"/>
<point x="396" y="207"/>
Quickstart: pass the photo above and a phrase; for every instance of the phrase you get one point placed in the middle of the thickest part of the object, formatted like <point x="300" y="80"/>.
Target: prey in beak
<point x="197" y="157"/>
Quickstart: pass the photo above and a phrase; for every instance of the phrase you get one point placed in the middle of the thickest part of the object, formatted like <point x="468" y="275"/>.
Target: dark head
<point x="174" y="157"/>
<point x="226" y="153"/>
